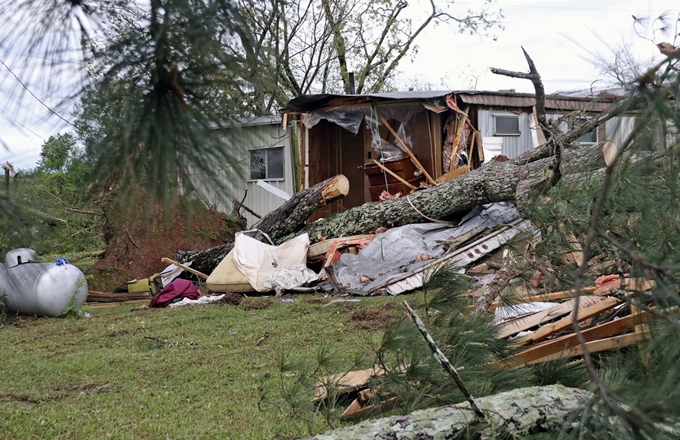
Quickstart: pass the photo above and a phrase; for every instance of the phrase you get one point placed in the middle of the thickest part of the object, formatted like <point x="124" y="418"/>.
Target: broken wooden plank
<point x="521" y="324"/>
<point x="106" y="297"/>
<point x="460" y="125"/>
<point x="566" y="322"/>
<point x="356" y="412"/>
<point x="606" y="330"/>
<point x="453" y="174"/>
<point x="595" y="347"/>
<point x="185" y="267"/>
<point x="630" y="284"/>
<point x="345" y="382"/>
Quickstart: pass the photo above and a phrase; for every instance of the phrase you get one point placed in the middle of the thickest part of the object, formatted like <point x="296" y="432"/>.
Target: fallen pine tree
<point x="521" y="411"/>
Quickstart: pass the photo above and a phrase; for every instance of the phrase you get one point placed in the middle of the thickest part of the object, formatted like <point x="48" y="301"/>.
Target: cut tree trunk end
<point x="521" y="412"/>
<point x="290" y="217"/>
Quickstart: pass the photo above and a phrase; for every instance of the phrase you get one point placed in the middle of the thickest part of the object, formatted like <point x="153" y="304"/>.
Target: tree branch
<point x="442" y="359"/>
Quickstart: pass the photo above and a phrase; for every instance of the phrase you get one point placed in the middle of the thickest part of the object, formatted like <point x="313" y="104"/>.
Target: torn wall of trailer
<point x="399" y="142"/>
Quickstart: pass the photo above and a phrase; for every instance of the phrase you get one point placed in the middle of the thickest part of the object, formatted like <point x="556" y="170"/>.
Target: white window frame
<point x="268" y="179"/>
<point x="506" y="115"/>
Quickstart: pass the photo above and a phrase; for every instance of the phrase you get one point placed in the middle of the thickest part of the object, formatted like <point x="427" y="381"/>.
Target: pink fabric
<point x="179" y="288"/>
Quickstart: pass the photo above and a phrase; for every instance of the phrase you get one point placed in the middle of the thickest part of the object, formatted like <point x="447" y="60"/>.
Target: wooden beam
<point x="606" y="330"/>
<point x="185" y="267"/>
<point x="595" y="347"/>
<point x="405" y="147"/>
<point x="460" y="125"/>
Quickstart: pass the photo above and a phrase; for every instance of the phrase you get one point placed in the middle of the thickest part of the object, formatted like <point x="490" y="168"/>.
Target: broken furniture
<point x="404" y="173"/>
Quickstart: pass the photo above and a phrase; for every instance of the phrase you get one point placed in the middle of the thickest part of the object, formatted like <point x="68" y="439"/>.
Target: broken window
<point x="589" y="137"/>
<point x="267" y="164"/>
<point x="506" y="125"/>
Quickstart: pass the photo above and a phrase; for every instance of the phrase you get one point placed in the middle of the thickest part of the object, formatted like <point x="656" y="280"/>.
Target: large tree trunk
<point x="518" y="412"/>
<point x="283" y="221"/>
<point x="493" y="182"/>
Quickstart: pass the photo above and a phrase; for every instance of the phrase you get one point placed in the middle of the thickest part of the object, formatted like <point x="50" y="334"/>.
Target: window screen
<point x="506" y="125"/>
<point x="267" y="163"/>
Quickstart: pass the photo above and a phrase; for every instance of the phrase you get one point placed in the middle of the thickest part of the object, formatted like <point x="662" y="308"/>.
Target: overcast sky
<point x="563" y="38"/>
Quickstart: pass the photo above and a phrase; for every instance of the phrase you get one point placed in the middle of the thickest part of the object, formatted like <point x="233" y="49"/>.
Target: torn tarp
<point x="403" y="255"/>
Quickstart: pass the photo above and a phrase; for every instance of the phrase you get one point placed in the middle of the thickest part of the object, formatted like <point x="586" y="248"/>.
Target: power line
<point x="56" y="60"/>
<point x="33" y="94"/>
<point x="19" y="123"/>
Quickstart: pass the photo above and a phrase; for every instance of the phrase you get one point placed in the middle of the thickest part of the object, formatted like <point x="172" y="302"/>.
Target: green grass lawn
<point x="102" y="377"/>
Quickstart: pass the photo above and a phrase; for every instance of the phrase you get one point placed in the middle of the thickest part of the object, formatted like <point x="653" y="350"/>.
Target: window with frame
<point x="506" y="125"/>
<point x="589" y="137"/>
<point x="267" y="164"/>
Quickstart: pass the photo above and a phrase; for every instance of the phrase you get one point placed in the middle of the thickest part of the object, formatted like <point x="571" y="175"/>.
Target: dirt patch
<point x="139" y="239"/>
<point x="375" y="317"/>
<point x="20" y="399"/>
<point x="233" y="299"/>
<point x="256" y="303"/>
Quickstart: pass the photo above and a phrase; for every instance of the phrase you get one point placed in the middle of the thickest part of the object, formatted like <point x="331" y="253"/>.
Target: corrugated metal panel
<point x="492" y="98"/>
<point x="513" y="146"/>
<point x="500" y="100"/>
<point x="617" y="129"/>
<point x="258" y="199"/>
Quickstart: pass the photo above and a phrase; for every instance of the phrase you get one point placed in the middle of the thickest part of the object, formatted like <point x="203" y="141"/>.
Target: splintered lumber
<point x="513" y="413"/>
<point x="453" y="174"/>
<point x="630" y="284"/>
<point x="531" y="355"/>
<point x="105" y="297"/>
<point x="566" y="322"/>
<point x="536" y="319"/>
<point x="406" y="149"/>
<point x="597" y="346"/>
<point x="356" y="412"/>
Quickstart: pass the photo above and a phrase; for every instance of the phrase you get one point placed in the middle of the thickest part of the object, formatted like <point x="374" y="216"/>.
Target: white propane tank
<point x="492" y="146"/>
<point x="43" y="289"/>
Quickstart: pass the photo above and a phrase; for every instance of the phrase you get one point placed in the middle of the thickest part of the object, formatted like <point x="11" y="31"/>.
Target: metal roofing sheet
<point x="479" y="97"/>
<point x="526" y="100"/>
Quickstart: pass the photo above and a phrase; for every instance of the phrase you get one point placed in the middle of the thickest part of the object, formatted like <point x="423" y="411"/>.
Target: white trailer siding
<point x="246" y="135"/>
